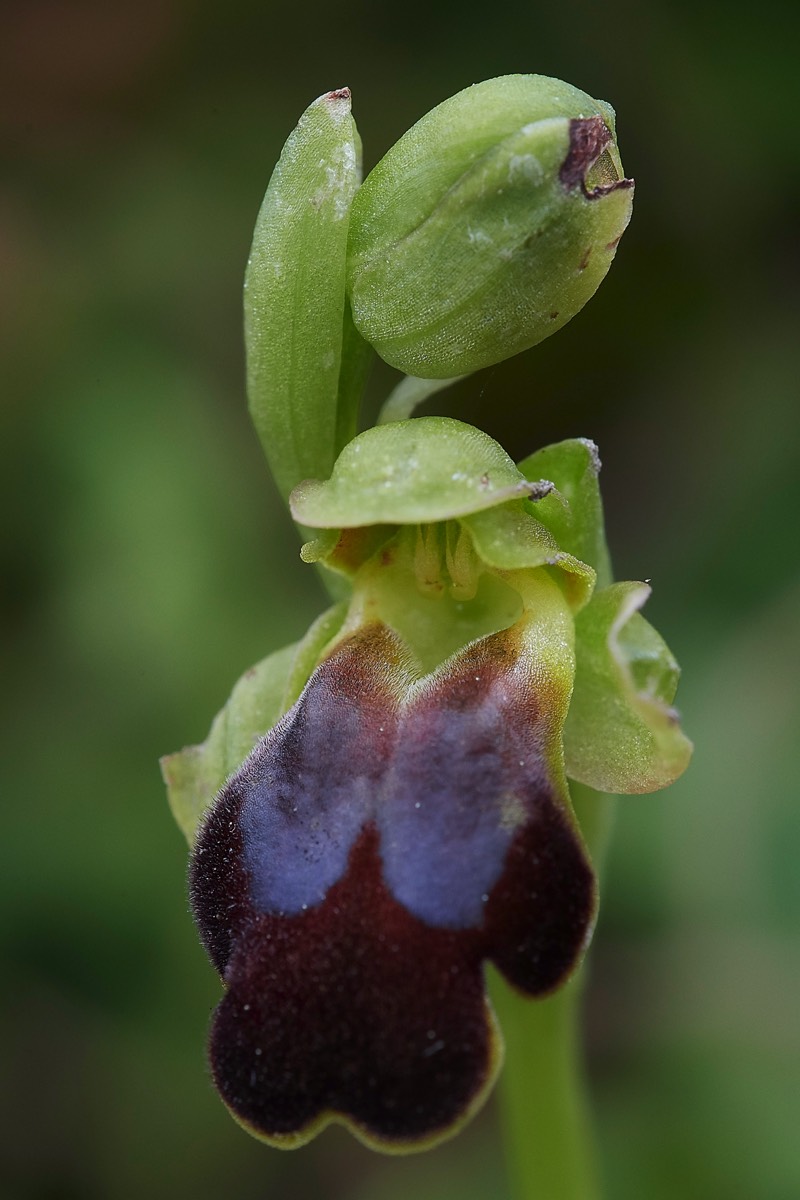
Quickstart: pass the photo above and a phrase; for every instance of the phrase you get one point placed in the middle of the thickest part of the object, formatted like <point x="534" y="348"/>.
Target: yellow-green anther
<point x="462" y="562"/>
<point x="303" y="356"/>
<point x="487" y="226"/>
<point x="428" y="559"/>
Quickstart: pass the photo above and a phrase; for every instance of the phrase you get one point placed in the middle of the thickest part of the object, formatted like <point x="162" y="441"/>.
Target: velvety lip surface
<point x="310" y="789"/>
<point x="379" y="844"/>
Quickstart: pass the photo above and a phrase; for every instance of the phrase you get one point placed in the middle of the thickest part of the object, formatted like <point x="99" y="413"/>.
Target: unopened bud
<point x="487" y="226"/>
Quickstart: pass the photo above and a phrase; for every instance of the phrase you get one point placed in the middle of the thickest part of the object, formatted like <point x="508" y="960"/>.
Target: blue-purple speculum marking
<point x="390" y="834"/>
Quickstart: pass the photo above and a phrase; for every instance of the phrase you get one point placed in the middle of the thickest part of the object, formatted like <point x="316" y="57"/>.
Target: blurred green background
<point x="147" y="562"/>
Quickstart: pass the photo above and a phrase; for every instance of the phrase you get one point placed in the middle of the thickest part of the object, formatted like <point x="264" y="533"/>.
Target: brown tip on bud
<point x="588" y="138"/>
<point x="339" y="94"/>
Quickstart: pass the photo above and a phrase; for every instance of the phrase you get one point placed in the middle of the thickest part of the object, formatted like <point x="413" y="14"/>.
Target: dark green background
<point x="148" y="562"/>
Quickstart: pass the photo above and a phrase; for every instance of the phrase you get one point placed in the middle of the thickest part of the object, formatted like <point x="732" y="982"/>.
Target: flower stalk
<point x="551" y="1152"/>
<point x="546" y="1130"/>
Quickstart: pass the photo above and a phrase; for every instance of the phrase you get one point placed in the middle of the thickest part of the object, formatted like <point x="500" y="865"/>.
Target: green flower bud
<point x="487" y="226"/>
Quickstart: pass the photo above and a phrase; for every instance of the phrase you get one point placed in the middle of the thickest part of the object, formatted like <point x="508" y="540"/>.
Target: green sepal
<point x="305" y="360"/>
<point x="622" y="733"/>
<point x="310" y="649"/>
<point x="195" y="774"/>
<point x="408" y="473"/>
<point x="573" y="512"/>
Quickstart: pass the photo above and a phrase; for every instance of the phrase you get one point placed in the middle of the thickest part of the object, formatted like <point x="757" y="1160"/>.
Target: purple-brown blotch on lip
<point x="387" y="837"/>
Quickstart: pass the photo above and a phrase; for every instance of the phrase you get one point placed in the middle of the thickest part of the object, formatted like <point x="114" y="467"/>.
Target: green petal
<point x="344" y="551"/>
<point x="509" y="538"/>
<point x="622" y="734"/>
<point x="305" y="360"/>
<point x="195" y="774"/>
<point x="574" y="512"/>
<point x="408" y="473"/>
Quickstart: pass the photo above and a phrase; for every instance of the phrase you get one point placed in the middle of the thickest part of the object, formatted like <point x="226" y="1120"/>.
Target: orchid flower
<point x="384" y="808"/>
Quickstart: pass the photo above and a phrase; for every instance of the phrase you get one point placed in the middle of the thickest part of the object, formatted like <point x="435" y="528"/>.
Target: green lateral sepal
<point x="622" y="733"/>
<point x="573" y="511"/>
<point x="264" y="693"/>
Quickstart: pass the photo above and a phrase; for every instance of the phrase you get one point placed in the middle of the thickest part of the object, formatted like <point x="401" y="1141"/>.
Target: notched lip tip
<point x="588" y="138"/>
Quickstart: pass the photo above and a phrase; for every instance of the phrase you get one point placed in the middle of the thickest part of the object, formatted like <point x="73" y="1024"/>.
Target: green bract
<point x="305" y="361"/>
<point x="487" y="226"/>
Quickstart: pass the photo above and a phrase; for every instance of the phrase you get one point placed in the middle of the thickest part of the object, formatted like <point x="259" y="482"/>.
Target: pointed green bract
<point x="305" y="360"/>
<point x="622" y="733"/>
<point x="487" y="226"/>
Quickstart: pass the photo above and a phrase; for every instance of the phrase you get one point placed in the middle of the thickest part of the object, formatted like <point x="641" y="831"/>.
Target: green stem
<point x="409" y="393"/>
<point x="543" y="1104"/>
